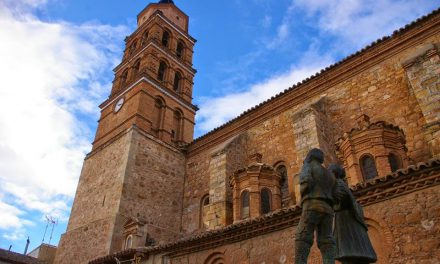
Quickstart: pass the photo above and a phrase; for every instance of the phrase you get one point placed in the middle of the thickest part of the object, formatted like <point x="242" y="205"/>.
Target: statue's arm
<point x="305" y="179"/>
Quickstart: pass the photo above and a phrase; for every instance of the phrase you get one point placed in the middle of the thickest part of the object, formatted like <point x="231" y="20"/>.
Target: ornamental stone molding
<point x="411" y="179"/>
<point x="379" y="142"/>
<point x="135" y="228"/>
<point x="252" y="179"/>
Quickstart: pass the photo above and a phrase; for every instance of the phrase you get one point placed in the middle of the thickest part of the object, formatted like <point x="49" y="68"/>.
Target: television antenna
<point x="49" y="221"/>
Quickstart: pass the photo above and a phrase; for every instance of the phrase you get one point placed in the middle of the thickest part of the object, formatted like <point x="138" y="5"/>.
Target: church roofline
<point x="14" y="257"/>
<point x="403" y="181"/>
<point x="367" y="51"/>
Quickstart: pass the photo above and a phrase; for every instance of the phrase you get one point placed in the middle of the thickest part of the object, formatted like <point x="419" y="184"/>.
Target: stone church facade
<point x="149" y="193"/>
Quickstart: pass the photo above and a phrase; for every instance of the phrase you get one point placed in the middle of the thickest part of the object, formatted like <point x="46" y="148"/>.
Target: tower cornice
<point x="164" y="52"/>
<point x="146" y="79"/>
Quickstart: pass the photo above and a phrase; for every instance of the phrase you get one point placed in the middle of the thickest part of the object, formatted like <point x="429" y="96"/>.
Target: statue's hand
<point x="339" y="191"/>
<point x="306" y="184"/>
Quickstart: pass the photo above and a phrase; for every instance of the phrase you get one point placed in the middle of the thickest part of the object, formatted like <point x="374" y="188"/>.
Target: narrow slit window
<point x="245" y="212"/>
<point x="144" y="38"/>
<point x="179" y="50"/>
<point x="176" y="84"/>
<point x="162" y="70"/>
<point x="165" y="38"/>
<point x="394" y="161"/>
<point x="265" y="201"/>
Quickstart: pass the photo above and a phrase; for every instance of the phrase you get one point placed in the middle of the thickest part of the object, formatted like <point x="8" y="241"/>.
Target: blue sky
<point x="57" y="56"/>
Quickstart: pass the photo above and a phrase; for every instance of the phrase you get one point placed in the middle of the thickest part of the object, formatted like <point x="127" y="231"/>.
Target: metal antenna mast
<point x="45" y="230"/>
<point x="53" y="222"/>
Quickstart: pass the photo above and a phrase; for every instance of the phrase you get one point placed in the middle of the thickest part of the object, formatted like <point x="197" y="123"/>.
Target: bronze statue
<point x="316" y="187"/>
<point x="352" y="242"/>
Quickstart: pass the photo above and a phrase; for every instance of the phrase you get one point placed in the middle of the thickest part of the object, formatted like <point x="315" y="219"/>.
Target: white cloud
<point x="52" y="73"/>
<point x="359" y="22"/>
<point x="215" y="111"/>
<point x="12" y="220"/>
<point x="11" y="217"/>
<point x="351" y="25"/>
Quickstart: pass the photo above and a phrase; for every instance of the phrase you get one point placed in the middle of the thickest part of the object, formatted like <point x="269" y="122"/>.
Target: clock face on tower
<point x="119" y="104"/>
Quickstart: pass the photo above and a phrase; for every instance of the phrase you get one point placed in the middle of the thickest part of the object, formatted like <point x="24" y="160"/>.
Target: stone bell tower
<point x="130" y="190"/>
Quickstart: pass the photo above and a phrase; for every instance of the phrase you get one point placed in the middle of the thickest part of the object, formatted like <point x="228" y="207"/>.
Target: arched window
<point x="215" y="258"/>
<point x="128" y="242"/>
<point x="124" y="77"/>
<point x="368" y="167"/>
<point x="136" y="67"/>
<point x="204" y="210"/>
<point x="179" y="49"/>
<point x="205" y="200"/>
<point x="132" y="47"/>
<point x="176" y="84"/>
<point x="165" y="38"/>
<point x="162" y="71"/>
<point x="177" y="123"/>
<point x="144" y="38"/>
<point x="265" y="196"/>
<point x="245" y="212"/>
<point x="158" y="113"/>
<point x="284" y="185"/>
<point x="395" y="162"/>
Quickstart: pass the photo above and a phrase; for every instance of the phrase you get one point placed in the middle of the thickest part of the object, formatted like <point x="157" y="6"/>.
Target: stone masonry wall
<point x="135" y="176"/>
<point x="96" y="203"/>
<point x="153" y="188"/>
<point x="224" y="163"/>
<point x="382" y="91"/>
<point x="403" y="230"/>
<point x="423" y="71"/>
<point x="197" y="182"/>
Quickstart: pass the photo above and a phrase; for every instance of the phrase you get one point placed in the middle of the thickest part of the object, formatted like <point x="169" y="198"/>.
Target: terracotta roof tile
<point x="245" y="226"/>
<point x="17" y="258"/>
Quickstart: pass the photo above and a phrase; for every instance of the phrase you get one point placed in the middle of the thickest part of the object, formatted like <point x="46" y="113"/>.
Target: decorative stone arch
<point x="177" y="128"/>
<point x="132" y="47"/>
<point x="265" y="200"/>
<point x="162" y="70"/>
<point x="166" y="37"/>
<point x="245" y="204"/>
<point x="368" y="166"/>
<point x="158" y="115"/>
<point x="215" y="258"/>
<point x="145" y="36"/>
<point x="287" y="191"/>
<point x="395" y="161"/>
<point x="381" y="238"/>
<point x="178" y="81"/>
<point x="124" y="78"/>
<point x="128" y="242"/>
<point x="136" y="68"/>
<point x="375" y="138"/>
<point x="254" y="178"/>
<point x="134" y="233"/>
<point x="204" y="206"/>
<point x="180" y="48"/>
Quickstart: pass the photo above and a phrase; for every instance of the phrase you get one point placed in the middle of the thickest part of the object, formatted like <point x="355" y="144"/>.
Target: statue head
<point x="337" y="170"/>
<point x="315" y="154"/>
